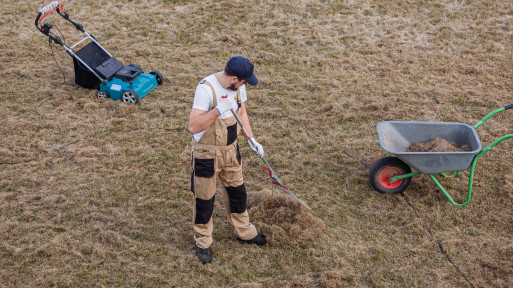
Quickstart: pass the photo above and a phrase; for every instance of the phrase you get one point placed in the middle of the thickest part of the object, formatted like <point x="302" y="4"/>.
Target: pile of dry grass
<point x="438" y="145"/>
<point x="282" y="220"/>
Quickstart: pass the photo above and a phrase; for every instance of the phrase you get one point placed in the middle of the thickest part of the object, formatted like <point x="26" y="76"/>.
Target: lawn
<point x="96" y="192"/>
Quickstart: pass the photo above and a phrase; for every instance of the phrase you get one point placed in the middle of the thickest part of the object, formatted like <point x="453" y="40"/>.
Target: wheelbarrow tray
<point x="396" y="136"/>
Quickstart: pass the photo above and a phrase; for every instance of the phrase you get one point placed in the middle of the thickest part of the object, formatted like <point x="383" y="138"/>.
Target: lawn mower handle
<point x="45" y="29"/>
<point x="45" y="11"/>
<point x="49" y="9"/>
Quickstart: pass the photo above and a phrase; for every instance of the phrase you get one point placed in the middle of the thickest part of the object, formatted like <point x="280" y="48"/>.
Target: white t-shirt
<point x="203" y="99"/>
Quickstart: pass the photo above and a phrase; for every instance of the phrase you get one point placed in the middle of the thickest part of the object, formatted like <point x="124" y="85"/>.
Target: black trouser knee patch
<point x="238" y="198"/>
<point x="204" y="210"/>
<point x="192" y="183"/>
<point x="204" y="168"/>
<point x="232" y="134"/>
<point x="239" y="158"/>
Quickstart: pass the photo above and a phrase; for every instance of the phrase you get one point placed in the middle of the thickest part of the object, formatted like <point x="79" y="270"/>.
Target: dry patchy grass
<point x="97" y="192"/>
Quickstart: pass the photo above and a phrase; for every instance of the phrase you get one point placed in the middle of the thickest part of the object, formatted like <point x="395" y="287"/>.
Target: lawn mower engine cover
<point x="130" y="77"/>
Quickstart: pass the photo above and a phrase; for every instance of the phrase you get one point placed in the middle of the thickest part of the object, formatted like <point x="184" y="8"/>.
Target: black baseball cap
<point x="242" y="68"/>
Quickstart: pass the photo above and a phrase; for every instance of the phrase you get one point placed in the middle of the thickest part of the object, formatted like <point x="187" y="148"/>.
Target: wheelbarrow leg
<point x="455" y="174"/>
<point x="472" y="170"/>
<point x="469" y="193"/>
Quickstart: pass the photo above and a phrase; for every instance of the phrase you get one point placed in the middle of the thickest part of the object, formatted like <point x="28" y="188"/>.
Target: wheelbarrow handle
<point x="493" y="113"/>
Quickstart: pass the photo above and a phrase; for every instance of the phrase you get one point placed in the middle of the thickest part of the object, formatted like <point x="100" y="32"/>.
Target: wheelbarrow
<point x="392" y="174"/>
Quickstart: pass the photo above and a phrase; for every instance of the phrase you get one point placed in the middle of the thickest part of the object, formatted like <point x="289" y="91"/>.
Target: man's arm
<point x="199" y="120"/>
<point x="243" y="116"/>
<point x="253" y="144"/>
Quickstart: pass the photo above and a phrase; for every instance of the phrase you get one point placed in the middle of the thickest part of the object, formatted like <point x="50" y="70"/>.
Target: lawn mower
<point x="95" y="68"/>
<point x="393" y="174"/>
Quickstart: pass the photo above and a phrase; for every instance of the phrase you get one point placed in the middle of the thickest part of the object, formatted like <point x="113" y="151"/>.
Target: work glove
<point x="226" y="104"/>
<point x="257" y="148"/>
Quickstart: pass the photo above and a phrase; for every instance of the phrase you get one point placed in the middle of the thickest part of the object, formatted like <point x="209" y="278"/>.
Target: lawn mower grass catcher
<point x="392" y="175"/>
<point x="95" y="68"/>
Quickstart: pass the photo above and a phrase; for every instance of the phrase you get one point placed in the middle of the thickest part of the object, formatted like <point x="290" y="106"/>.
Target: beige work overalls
<point x="217" y="155"/>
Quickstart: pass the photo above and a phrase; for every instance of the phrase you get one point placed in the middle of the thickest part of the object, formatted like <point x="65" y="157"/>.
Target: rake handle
<point x="243" y="129"/>
<point x="271" y="172"/>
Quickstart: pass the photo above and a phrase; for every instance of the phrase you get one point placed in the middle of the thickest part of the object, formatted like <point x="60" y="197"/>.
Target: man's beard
<point x="232" y="87"/>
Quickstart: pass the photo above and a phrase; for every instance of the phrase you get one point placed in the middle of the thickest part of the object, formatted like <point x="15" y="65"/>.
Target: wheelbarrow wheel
<point x="385" y="168"/>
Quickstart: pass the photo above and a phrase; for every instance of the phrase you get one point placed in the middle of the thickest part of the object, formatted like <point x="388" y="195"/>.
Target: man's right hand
<point x="226" y="104"/>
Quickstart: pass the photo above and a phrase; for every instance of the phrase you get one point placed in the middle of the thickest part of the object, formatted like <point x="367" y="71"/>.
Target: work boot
<point x="258" y="240"/>
<point x="203" y="254"/>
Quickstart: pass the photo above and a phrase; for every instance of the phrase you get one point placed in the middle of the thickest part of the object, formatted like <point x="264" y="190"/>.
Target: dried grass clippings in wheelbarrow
<point x="282" y="220"/>
<point x="437" y="145"/>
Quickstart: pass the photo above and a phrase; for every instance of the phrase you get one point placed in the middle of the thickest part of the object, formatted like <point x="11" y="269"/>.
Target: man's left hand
<point x="257" y="148"/>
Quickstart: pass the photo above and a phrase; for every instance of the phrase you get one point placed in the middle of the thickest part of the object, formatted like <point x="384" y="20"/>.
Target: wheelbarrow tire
<point x="385" y="168"/>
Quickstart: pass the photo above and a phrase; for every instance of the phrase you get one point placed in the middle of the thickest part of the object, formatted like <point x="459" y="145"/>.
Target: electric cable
<point x="440" y="246"/>
<point x="29" y="78"/>
<point x="53" y="53"/>
<point x="93" y="136"/>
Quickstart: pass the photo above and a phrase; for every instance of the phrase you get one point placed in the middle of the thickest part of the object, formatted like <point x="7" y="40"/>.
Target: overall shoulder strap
<point x="213" y="91"/>
<point x="238" y="97"/>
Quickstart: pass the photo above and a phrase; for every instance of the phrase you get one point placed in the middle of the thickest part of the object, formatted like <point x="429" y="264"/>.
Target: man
<point x="215" y="153"/>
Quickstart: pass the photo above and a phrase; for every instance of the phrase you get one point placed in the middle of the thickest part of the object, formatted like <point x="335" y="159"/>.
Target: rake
<point x="273" y="176"/>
